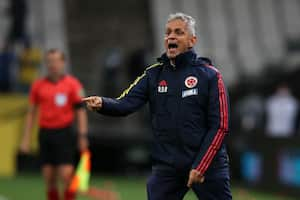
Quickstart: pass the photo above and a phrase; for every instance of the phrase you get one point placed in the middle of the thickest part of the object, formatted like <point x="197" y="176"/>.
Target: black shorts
<point x="57" y="146"/>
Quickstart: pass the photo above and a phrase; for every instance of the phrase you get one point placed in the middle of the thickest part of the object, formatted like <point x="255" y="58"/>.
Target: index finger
<point x="86" y="99"/>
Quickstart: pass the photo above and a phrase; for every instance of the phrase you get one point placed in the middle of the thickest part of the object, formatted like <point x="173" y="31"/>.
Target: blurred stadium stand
<point x="94" y="29"/>
<point x="242" y="36"/>
<point x="45" y="23"/>
<point x="3" y="21"/>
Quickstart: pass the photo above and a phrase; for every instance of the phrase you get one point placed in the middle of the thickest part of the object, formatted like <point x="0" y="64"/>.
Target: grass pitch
<point x="31" y="187"/>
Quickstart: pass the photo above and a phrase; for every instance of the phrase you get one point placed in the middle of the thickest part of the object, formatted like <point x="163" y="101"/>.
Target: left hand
<point x="83" y="143"/>
<point x="195" y="177"/>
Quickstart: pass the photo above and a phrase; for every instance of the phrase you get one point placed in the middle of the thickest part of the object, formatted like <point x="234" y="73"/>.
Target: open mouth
<point x="172" y="46"/>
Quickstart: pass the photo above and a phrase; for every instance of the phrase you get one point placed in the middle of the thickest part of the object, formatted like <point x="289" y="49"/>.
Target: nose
<point x="171" y="36"/>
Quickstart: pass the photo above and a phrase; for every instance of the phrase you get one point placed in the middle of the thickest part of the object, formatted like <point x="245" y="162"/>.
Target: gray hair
<point x="190" y="21"/>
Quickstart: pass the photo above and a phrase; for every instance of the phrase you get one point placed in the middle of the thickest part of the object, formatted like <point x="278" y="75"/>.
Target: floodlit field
<point x="31" y="187"/>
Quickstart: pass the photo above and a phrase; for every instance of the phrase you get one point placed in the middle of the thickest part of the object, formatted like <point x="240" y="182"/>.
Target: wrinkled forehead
<point x="176" y="24"/>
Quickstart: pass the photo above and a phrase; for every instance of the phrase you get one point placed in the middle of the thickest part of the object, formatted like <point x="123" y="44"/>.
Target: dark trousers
<point x="171" y="185"/>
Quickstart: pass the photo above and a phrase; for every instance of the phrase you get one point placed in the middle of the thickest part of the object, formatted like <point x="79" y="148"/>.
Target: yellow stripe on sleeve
<point x="125" y="92"/>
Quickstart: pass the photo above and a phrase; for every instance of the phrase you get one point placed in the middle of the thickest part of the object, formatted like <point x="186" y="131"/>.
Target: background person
<point x="281" y="113"/>
<point x="57" y="97"/>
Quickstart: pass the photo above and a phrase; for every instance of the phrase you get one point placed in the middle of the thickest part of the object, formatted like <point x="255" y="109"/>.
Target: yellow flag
<point x="80" y="181"/>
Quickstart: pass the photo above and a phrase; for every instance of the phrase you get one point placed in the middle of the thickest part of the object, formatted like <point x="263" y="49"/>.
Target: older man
<point x="189" y="115"/>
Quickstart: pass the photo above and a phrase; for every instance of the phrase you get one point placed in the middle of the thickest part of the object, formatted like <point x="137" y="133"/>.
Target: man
<point x="281" y="113"/>
<point x="189" y="115"/>
<point x="58" y="99"/>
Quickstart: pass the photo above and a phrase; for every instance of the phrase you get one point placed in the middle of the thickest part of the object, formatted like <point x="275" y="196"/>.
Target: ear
<point x="192" y="41"/>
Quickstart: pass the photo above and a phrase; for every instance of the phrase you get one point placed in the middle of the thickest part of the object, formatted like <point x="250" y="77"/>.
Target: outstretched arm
<point x="135" y="96"/>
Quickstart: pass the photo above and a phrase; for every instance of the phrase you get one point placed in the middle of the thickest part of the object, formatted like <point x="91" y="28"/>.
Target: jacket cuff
<point x="102" y="110"/>
<point x="195" y="165"/>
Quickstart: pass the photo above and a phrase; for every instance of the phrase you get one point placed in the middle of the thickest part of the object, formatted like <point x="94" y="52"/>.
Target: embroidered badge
<point x="191" y="81"/>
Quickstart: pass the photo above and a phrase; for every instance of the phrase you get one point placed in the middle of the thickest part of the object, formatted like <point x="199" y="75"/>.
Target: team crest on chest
<point x="191" y="81"/>
<point x="162" y="87"/>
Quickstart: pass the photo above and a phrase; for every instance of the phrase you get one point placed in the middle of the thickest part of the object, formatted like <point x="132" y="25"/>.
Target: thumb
<point x="202" y="179"/>
<point x="190" y="182"/>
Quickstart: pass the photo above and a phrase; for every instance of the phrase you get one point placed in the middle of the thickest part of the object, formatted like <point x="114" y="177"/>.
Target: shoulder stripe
<point x="125" y="92"/>
<point x="213" y="68"/>
<point x="154" y="65"/>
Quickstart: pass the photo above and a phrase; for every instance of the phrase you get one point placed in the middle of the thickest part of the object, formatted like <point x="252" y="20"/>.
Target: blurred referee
<point x="57" y="97"/>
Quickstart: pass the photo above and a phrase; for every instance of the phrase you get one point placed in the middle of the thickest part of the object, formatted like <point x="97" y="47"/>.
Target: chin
<point x="172" y="56"/>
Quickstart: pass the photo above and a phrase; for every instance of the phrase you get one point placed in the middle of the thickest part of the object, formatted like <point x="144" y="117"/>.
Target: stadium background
<point x="254" y="43"/>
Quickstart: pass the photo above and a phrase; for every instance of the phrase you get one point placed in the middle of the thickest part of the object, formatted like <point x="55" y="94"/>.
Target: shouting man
<point x="189" y="115"/>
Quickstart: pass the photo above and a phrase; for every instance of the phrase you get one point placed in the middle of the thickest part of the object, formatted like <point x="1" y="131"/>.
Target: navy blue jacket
<point x="189" y="112"/>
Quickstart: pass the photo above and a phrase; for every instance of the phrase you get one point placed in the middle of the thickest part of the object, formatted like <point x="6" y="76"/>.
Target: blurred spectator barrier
<point x="12" y="113"/>
<point x="272" y="164"/>
<point x="30" y="63"/>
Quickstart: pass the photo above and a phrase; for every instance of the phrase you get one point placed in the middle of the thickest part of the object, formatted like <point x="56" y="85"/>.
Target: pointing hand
<point x="93" y="103"/>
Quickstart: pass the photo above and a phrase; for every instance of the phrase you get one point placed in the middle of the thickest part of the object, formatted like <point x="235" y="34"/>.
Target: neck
<point x="55" y="77"/>
<point x="172" y="62"/>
